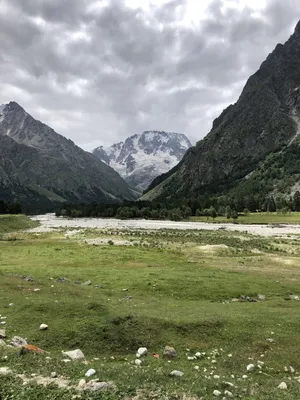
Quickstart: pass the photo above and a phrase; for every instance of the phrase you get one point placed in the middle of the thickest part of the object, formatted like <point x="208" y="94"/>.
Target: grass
<point x="179" y="287"/>
<point x="11" y="223"/>
<point x="256" y="218"/>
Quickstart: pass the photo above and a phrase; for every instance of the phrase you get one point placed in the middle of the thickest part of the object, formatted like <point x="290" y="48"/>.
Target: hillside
<point x="39" y="166"/>
<point x="141" y="158"/>
<point x="264" y="120"/>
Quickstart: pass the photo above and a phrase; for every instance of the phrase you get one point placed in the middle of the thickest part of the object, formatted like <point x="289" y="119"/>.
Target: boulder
<point x="75" y="355"/>
<point x="170" y="352"/>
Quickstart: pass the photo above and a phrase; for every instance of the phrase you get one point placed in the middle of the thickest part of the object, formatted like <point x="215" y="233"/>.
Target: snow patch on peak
<point x="141" y="158"/>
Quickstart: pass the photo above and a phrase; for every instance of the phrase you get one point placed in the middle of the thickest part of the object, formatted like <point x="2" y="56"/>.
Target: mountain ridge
<point x="36" y="158"/>
<point x="264" y="119"/>
<point x="142" y="157"/>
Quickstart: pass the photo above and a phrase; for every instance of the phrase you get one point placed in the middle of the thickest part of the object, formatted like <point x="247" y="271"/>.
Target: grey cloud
<point x="130" y="70"/>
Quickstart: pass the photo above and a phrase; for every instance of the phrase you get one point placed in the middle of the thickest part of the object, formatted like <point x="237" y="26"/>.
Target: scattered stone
<point x="5" y="371"/>
<point x="261" y="297"/>
<point x="216" y="377"/>
<point x="142" y="351"/>
<point x="75" y="355"/>
<point x="90" y="372"/>
<point x="17" y="341"/>
<point x="282" y="386"/>
<point x="10" y="304"/>
<point x="78" y="282"/>
<point x="81" y="384"/>
<point x="170" y="352"/>
<point x="294" y="297"/>
<point x="62" y="280"/>
<point x="292" y="370"/>
<point x="53" y="375"/>
<point x="245" y="376"/>
<point x="94" y="386"/>
<point x="37" y="290"/>
<point x="198" y="355"/>
<point x="125" y="290"/>
<point x="261" y="363"/>
<point x="66" y="360"/>
<point x="270" y="340"/>
<point x="2" y="343"/>
<point x="228" y="394"/>
<point x="250" y="367"/>
<point x="217" y="393"/>
<point x="2" y="334"/>
<point x="196" y="367"/>
<point x="191" y="358"/>
<point x="27" y="278"/>
<point x="43" y="327"/>
<point x="87" y="283"/>
<point x="176" y="373"/>
<point x="138" y="362"/>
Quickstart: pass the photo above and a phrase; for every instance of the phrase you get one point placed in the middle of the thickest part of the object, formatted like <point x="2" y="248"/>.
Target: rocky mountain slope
<point x="264" y="120"/>
<point x="39" y="166"/>
<point x="141" y="158"/>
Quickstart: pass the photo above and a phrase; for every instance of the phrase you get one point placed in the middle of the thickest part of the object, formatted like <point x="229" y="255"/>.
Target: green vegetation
<point x="11" y="223"/>
<point x="179" y="287"/>
<point x="255" y="218"/>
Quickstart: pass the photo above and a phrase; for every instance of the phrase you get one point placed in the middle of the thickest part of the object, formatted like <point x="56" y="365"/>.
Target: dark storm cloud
<point x="99" y="71"/>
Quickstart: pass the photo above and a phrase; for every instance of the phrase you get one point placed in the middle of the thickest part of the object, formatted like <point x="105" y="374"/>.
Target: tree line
<point x="10" y="207"/>
<point x="227" y="206"/>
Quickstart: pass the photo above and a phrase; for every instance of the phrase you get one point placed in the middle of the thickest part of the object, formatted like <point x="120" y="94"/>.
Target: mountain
<point x="262" y="125"/>
<point x="39" y="166"/>
<point x="141" y="158"/>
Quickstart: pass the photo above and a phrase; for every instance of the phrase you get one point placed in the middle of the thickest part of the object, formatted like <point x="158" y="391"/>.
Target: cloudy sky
<point x="100" y="71"/>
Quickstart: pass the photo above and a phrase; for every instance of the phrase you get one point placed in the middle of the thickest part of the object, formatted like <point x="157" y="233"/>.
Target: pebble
<point x="176" y="373"/>
<point x="138" y="362"/>
<point x="2" y="334"/>
<point x="37" y="290"/>
<point x="142" y="351"/>
<point x="198" y="354"/>
<point x="17" y="341"/>
<point x="196" y="367"/>
<point x="217" y="393"/>
<point x="250" y="367"/>
<point x="53" y="375"/>
<point x="43" y="327"/>
<point x="228" y="394"/>
<point x="90" y="372"/>
<point x="282" y="386"/>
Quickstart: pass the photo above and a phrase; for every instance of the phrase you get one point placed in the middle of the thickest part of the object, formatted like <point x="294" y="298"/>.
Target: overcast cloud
<point x="100" y="71"/>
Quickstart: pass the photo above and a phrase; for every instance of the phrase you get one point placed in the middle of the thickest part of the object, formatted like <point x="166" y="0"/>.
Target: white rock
<point x="75" y="355"/>
<point x="261" y="363"/>
<point x="138" y="355"/>
<point x="191" y="358"/>
<point x="250" y="367"/>
<point x="216" y="377"/>
<point x="245" y="376"/>
<point x="66" y="360"/>
<point x="81" y="383"/>
<point x="176" y="373"/>
<point x="228" y="394"/>
<point x="282" y="385"/>
<point x="36" y="290"/>
<point x="5" y="371"/>
<point x="138" y="362"/>
<point x="196" y="367"/>
<point x="292" y="370"/>
<point x="17" y="341"/>
<point x="43" y="327"/>
<point x="198" y="354"/>
<point x="53" y="375"/>
<point x="217" y="393"/>
<point x="90" y="372"/>
<point x="142" y="351"/>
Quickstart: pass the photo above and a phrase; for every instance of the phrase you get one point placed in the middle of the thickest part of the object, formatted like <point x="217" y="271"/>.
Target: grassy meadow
<point x="255" y="218"/>
<point x="169" y="288"/>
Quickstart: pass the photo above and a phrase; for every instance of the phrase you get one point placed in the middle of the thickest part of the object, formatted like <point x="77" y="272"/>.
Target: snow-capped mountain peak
<point x="141" y="158"/>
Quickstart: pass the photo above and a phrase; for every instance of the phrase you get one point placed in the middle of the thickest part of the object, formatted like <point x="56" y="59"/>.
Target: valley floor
<point x="109" y="291"/>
